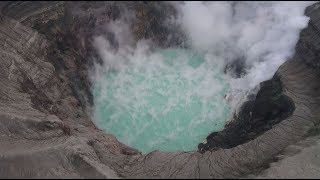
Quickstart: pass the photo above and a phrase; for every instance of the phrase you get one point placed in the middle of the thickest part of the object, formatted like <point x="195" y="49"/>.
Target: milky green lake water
<point x="169" y="101"/>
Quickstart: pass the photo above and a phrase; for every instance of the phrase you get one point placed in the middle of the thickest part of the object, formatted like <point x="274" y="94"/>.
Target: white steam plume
<point x="262" y="34"/>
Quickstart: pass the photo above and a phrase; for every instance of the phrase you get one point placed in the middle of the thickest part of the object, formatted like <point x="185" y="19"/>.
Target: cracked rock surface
<point x="45" y="131"/>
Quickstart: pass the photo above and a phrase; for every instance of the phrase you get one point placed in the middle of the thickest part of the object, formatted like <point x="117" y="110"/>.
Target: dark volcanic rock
<point x="308" y="46"/>
<point x="255" y="117"/>
<point x="152" y="23"/>
<point x="271" y="105"/>
<point x="45" y="133"/>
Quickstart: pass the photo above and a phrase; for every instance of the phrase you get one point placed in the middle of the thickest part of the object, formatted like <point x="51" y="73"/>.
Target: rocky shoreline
<point x="46" y="131"/>
<point x="271" y="105"/>
<point x="257" y="116"/>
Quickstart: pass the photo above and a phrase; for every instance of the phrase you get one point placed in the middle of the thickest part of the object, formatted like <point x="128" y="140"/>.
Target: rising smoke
<point x="262" y="35"/>
<point x="257" y="36"/>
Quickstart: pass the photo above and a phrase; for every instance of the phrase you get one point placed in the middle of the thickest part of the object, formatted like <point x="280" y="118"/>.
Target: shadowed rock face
<point x="270" y="106"/>
<point x="46" y="132"/>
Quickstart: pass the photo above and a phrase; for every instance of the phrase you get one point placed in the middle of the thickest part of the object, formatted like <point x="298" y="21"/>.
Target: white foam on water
<point x="171" y="99"/>
<point x="168" y="99"/>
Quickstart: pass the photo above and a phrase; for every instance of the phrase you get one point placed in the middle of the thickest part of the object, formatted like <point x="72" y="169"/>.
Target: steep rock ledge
<point x="45" y="132"/>
<point x="257" y="116"/>
<point x="271" y="104"/>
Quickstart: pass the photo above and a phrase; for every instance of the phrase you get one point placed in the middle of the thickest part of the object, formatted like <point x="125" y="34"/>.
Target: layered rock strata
<point x="46" y="132"/>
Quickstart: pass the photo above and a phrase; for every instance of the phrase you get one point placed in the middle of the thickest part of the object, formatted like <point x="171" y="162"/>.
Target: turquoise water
<point x="168" y="100"/>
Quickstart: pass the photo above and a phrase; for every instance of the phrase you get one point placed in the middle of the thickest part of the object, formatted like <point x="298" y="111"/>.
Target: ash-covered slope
<point x="45" y="93"/>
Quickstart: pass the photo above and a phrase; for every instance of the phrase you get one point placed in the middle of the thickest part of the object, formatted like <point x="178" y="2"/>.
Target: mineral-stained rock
<point x="44" y="92"/>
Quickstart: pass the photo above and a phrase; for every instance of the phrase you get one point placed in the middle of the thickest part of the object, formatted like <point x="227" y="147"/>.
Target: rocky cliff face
<point x="45" y="94"/>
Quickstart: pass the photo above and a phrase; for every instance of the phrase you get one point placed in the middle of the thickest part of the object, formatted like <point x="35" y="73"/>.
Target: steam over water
<point x="259" y="35"/>
<point x="168" y="102"/>
<point x="171" y="99"/>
